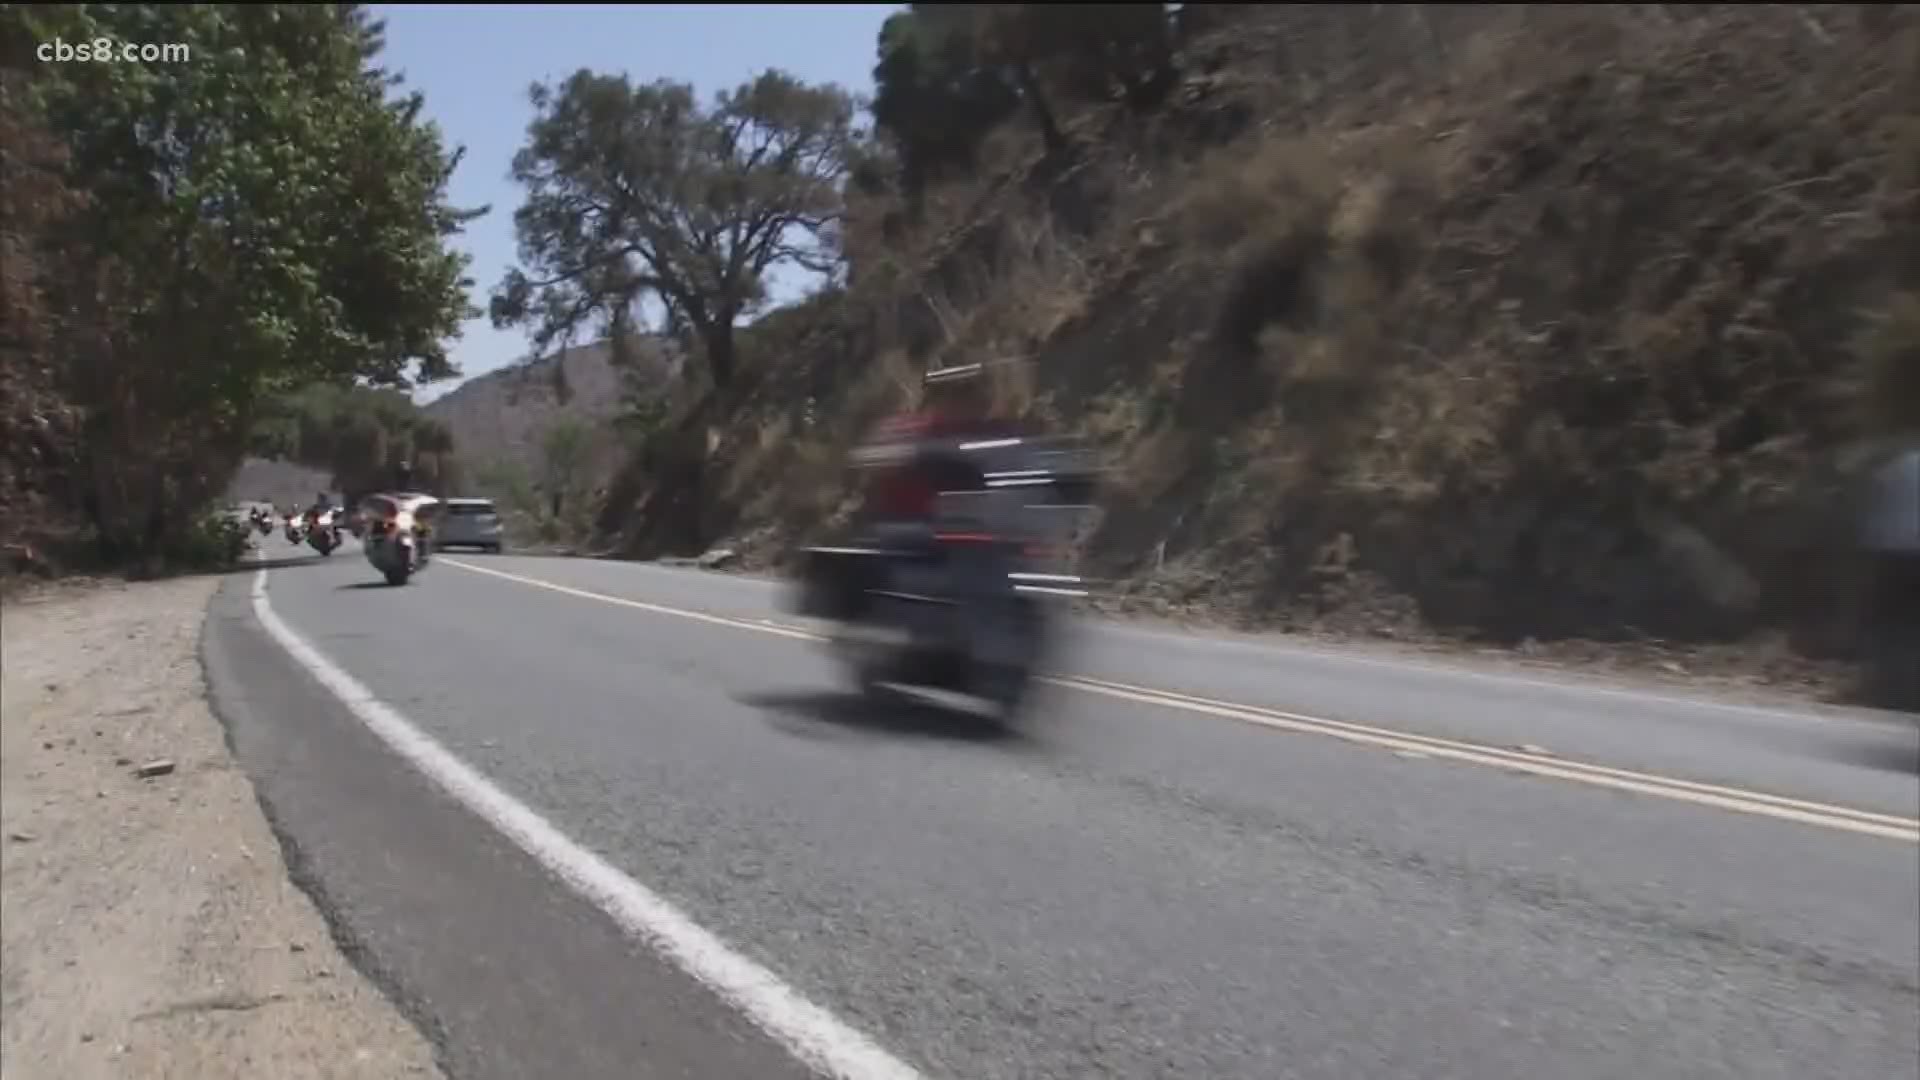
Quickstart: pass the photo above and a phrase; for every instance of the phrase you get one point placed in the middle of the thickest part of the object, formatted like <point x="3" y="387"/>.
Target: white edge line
<point x="820" y="1040"/>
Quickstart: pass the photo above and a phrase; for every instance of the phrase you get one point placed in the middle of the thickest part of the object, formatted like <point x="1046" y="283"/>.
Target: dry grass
<point x="1010" y="306"/>
<point x="1502" y="339"/>
<point x="1888" y="397"/>
<point x="1256" y="194"/>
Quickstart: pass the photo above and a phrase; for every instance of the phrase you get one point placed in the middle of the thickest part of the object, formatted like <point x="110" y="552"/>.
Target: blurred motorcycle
<point x="965" y="604"/>
<point x="323" y="532"/>
<point x="295" y="534"/>
<point x="399" y="535"/>
<point x="1889" y="545"/>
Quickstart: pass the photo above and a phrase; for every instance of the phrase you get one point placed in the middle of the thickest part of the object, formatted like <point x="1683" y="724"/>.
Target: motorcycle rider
<point x="918" y="456"/>
<point x="403" y="485"/>
<point x="921" y="594"/>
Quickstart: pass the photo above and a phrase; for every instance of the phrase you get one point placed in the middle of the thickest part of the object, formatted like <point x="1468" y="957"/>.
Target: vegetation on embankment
<point x="541" y="437"/>
<point x="1504" y="321"/>
<point x="187" y="243"/>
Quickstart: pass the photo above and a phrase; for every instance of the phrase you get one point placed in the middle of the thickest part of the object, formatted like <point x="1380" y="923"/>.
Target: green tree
<point x="1002" y="38"/>
<point x="39" y="429"/>
<point x="1092" y="52"/>
<point x="358" y="434"/>
<point x="564" y="451"/>
<point x="262" y="215"/>
<point x="932" y="99"/>
<point x="637" y="191"/>
<point x="507" y="480"/>
<point x="950" y="73"/>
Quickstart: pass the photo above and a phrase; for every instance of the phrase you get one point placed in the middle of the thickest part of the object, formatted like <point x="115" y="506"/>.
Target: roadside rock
<point x="718" y="558"/>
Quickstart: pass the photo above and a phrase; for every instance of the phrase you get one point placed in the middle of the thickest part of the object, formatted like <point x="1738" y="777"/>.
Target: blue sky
<point x="474" y="64"/>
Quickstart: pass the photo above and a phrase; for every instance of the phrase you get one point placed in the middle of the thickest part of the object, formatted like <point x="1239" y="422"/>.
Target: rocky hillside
<point x="1512" y="322"/>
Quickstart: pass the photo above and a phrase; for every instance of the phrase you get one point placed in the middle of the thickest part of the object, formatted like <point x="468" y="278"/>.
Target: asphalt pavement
<point x="1204" y="857"/>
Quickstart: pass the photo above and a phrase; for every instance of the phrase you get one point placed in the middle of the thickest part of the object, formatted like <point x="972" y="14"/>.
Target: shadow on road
<point x="798" y="713"/>
<point x="1897" y="751"/>
<point x="362" y="585"/>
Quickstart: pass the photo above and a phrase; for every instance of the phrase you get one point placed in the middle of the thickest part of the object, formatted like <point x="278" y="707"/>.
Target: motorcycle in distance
<point x="399" y="535"/>
<point x="971" y="613"/>
<point x="323" y="532"/>
<point x="295" y="534"/>
<point x="262" y="520"/>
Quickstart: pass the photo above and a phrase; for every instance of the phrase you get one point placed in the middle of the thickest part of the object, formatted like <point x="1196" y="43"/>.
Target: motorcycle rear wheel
<point x="1007" y="686"/>
<point x="866" y="662"/>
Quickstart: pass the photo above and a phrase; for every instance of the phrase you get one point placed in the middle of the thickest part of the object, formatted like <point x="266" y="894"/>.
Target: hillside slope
<point x="282" y="483"/>
<point x="1505" y="321"/>
<point x="502" y="415"/>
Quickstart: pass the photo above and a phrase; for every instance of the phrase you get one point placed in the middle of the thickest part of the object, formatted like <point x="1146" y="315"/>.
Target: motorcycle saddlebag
<point x="831" y="583"/>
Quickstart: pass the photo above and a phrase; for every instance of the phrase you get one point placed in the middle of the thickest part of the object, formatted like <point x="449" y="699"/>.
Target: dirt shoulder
<point x="150" y="928"/>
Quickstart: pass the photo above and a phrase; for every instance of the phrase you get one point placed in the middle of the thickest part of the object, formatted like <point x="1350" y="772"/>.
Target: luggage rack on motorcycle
<point x="1046" y="531"/>
<point x="1037" y="498"/>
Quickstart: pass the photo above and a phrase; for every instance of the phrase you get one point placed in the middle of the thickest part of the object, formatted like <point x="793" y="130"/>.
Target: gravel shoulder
<point x="150" y="927"/>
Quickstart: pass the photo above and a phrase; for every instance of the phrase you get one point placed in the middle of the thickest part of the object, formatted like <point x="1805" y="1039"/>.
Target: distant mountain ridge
<point x="502" y="415"/>
<point x="282" y="483"/>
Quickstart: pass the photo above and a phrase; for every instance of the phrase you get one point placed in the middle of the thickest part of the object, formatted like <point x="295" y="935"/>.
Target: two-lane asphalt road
<point x="597" y="819"/>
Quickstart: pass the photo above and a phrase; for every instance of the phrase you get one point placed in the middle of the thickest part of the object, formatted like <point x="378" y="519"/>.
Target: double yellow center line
<point x="1535" y="763"/>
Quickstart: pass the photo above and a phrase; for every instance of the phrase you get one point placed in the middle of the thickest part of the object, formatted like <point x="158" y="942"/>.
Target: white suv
<point x="469" y="523"/>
